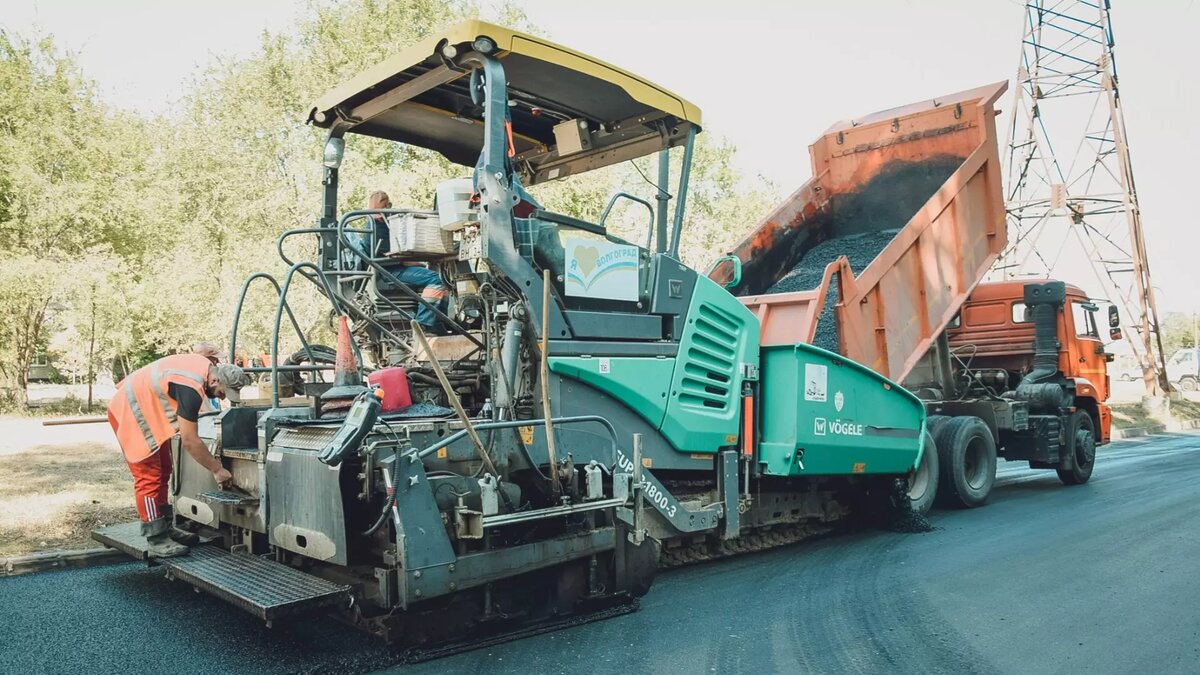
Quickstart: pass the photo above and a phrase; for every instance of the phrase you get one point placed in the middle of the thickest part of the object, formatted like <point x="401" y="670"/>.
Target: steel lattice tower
<point x="1072" y="201"/>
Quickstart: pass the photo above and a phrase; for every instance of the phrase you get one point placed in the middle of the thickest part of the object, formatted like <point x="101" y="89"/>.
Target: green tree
<point x="1179" y="331"/>
<point x="69" y="187"/>
<point x="26" y="289"/>
<point x="241" y="165"/>
<point x="139" y="231"/>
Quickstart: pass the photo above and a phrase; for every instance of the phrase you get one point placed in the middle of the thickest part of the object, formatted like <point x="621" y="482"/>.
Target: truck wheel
<point x="923" y="482"/>
<point x="935" y="422"/>
<point x="1188" y="384"/>
<point x="1082" y="438"/>
<point x="967" y="455"/>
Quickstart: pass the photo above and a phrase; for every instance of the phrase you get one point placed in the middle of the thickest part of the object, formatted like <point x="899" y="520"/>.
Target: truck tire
<point x="1081" y="438"/>
<point x="967" y="455"/>
<point x="935" y="422"/>
<point x="923" y="482"/>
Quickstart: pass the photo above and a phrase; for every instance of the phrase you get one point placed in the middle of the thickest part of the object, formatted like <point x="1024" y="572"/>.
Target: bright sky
<point x="769" y="75"/>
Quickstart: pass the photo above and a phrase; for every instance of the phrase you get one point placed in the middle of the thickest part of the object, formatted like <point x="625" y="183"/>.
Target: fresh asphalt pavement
<point x="1100" y="578"/>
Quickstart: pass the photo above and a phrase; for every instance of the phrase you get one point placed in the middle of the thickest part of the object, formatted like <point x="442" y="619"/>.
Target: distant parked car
<point x="1183" y="369"/>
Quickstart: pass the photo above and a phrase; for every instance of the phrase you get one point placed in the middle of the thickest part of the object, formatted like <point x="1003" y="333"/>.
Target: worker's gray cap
<point x="233" y="379"/>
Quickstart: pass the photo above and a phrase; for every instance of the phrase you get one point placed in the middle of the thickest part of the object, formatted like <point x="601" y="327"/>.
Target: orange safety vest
<point x="141" y="413"/>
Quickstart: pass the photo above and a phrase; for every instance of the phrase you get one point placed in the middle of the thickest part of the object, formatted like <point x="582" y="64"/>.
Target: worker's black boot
<point x="158" y="540"/>
<point x="177" y="534"/>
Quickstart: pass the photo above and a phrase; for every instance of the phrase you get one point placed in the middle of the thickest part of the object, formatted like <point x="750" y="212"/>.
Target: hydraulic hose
<point x="383" y="515"/>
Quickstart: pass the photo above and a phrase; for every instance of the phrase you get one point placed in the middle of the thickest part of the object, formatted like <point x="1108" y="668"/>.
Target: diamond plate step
<point x="264" y="588"/>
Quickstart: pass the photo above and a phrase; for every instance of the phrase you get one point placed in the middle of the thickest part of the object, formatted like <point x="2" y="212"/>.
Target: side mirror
<point x="727" y="271"/>
<point x="1114" y="333"/>
<point x="1114" y="319"/>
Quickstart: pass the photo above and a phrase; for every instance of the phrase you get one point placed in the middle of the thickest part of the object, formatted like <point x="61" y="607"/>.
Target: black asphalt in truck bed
<point x="858" y="225"/>
<point x="1098" y="578"/>
<point x="860" y="249"/>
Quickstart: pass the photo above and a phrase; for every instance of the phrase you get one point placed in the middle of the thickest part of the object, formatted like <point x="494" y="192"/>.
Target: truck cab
<point x="993" y="337"/>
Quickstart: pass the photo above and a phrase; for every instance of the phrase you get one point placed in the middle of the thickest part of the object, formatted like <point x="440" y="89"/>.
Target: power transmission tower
<point x="1072" y="201"/>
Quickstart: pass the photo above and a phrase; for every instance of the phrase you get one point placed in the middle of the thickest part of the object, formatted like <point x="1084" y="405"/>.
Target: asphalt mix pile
<point x="860" y="249"/>
<point x="859" y="226"/>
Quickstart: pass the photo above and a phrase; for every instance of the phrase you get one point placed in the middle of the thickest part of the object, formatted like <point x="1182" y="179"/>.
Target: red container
<point x="394" y="382"/>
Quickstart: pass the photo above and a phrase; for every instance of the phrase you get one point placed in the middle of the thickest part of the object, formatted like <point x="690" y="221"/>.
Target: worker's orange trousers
<point x="151" y="478"/>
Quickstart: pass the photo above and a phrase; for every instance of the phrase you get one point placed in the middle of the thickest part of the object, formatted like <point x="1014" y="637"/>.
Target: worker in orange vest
<point x="152" y="406"/>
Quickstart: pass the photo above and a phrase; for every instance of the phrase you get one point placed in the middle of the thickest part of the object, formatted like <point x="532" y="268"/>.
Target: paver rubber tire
<point x="923" y="482"/>
<point x="967" y="455"/>
<point x="1081" y="435"/>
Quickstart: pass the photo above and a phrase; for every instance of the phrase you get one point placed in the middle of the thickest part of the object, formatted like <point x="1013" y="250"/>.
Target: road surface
<point x="1100" y="579"/>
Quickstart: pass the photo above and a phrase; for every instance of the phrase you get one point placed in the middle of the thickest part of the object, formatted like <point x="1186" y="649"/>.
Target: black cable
<point x="650" y="182"/>
<point x="387" y="506"/>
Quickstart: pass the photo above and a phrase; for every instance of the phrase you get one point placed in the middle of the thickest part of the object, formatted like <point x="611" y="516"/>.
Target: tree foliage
<point x="128" y="237"/>
<point x="1179" y="331"/>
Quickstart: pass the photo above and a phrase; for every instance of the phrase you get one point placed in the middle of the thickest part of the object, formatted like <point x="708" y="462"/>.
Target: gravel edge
<point x="47" y="561"/>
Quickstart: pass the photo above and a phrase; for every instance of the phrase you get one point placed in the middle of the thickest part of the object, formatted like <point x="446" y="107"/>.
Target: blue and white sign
<point x="597" y="268"/>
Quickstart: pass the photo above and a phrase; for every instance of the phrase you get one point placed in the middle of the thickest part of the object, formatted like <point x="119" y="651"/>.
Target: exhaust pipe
<point x="1040" y="387"/>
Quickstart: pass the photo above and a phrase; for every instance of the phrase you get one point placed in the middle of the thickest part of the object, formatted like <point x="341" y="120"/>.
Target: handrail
<point x="237" y="316"/>
<point x="318" y="277"/>
<point x="351" y="309"/>
<point x="298" y="368"/>
<point x="612" y="201"/>
<point x="287" y="284"/>
<point x="387" y="275"/>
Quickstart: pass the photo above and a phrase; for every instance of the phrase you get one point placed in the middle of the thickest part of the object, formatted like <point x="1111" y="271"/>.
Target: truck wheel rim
<point x="1085" y="447"/>
<point x="975" y="463"/>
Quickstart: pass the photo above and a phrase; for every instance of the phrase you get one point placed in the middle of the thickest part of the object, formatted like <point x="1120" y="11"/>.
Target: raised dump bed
<point x="873" y="256"/>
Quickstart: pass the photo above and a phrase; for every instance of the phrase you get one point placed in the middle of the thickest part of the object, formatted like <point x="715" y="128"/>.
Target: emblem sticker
<point x="816" y="377"/>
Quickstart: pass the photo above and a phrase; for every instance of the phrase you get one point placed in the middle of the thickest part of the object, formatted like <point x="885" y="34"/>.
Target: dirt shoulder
<point x="59" y="483"/>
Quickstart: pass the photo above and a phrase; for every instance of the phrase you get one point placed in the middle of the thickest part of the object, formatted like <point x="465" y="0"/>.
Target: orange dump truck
<point x="880" y="257"/>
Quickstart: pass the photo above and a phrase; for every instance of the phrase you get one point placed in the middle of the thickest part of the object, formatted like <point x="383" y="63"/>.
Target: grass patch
<point x="54" y="496"/>
<point x="1133" y="415"/>
<point x="70" y="406"/>
<point x="1185" y="410"/>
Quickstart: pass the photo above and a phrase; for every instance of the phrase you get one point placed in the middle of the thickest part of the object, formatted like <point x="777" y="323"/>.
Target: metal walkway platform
<point x="263" y="587"/>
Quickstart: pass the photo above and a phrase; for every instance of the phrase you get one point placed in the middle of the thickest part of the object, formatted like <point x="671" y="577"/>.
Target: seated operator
<point x="418" y="277"/>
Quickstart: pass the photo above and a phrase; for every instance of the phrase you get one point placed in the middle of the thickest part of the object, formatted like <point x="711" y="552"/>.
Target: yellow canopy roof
<point x="421" y="97"/>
